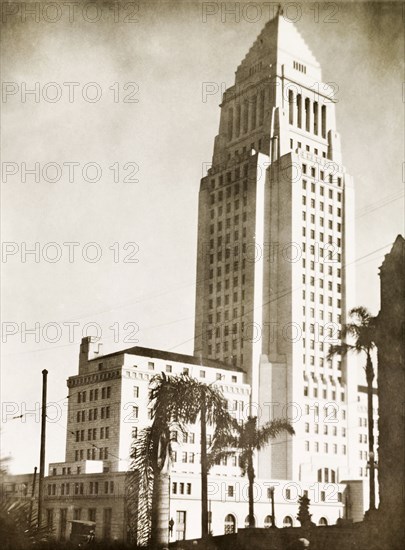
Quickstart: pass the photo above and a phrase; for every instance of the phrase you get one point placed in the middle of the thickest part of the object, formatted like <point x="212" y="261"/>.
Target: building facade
<point x="275" y="253"/>
<point x="108" y="407"/>
<point x="274" y="280"/>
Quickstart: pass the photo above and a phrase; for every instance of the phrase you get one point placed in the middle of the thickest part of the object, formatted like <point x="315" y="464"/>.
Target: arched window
<point x="323" y="522"/>
<point x="299" y="111"/>
<point x="326" y="475"/>
<point x="307" y="115"/>
<point x="287" y="521"/>
<point x="291" y="106"/>
<point x="247" y="521"/>
<point x="268" y="521"/>
<point x="323" y="111"/>
<point x="230" y="524"/>
<point x="315" y="108"/>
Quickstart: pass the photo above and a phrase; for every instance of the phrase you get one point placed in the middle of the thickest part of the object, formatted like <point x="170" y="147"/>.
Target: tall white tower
<point x="275" y="254"/>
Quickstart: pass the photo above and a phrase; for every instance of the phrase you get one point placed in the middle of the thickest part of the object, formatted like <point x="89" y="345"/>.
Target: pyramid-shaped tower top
<point x="280" y="44"/>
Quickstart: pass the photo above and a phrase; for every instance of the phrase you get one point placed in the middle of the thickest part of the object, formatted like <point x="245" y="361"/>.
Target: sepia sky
<point x="167" y="50"/>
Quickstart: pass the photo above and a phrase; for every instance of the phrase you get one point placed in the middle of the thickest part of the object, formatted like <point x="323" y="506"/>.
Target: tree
<point x="18" y="524"/>
<point x="212" y="410"/>
<point x="148" y="478"/>
<point x="359" y="337"/>
<point x="176" y="401"/>
<point x="303" y="516"/>
<point x="248" y="438"/>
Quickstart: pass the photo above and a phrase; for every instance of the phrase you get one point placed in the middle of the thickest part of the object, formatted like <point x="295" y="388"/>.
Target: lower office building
<point x="109" y="406"/>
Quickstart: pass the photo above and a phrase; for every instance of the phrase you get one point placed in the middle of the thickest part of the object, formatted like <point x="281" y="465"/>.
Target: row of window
<point x="316" y="253"/>
<point x="237" y="244"/>
<point x="135" y="414"/>
<point x="307" y="148"/>
<point x="330" y="315"/>
<point x="220" y="222"/>
<point x="299" y="110"/>
<point x="312" y="281"/>
<point x="92" y="414"/>
<point x="231" y="190"/>
<point x="327" y="430"/>
<point x="327" y="411"/>
<point x="299" y="67"/>
<point x="327" y="448"/>
<point x="228" y="207"/>
<point x="181" y="488"/>
<point x="186" y="371"/>
<point x="322" y="177"/>
<point x="321" y="221"/>
<point x="104" y="433"/>
<point x="314" y="188"/>
<point x="310" y="344"/>
<point x="227" y="296"/>
<point x="93" y="488"/>
<point x="92" y="454"/>
<point x="316" y="392"/>
<point x="235" y="359"/>
<point x="240" y="154"/>
<point x="246" y="116"/>
<point x="321" y="363"/>
<point x="327" y="475"/>
<point x="93" y="394"/>
<point x="227" y="346"/>
<point x="219" y="302"/>
<point x="228" y="180"/>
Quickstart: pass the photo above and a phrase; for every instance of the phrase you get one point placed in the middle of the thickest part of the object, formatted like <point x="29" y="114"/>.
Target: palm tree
<point x="151" y="455"/>
<point x="248" y="438"/>
<point x="362" y="333"/>
<point x="212" y="410"/>
<point x="176" y="401"/>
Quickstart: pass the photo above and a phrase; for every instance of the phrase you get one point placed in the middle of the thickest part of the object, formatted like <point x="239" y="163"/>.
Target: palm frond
<point x="358" y="335"/>
<point x="339" y="349"/>
<point x="271" y="430"/>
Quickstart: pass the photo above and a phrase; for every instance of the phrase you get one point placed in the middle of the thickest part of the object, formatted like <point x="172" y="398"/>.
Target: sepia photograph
<point x="203" y="275"/>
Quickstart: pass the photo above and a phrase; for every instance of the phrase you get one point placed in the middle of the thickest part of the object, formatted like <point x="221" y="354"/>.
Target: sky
<point x="123" y="98"/>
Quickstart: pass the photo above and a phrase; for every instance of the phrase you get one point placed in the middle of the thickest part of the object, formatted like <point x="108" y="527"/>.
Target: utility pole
<point x="370" y="415"/>
<point x="42" y="450"/>
<point x="33" y="493"/>
<point x="273" y="515"/>
<point x="204" y="470"/>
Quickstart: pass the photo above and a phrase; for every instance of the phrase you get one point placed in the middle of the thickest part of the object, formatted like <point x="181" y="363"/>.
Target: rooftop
<point x="170" y="356"/>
